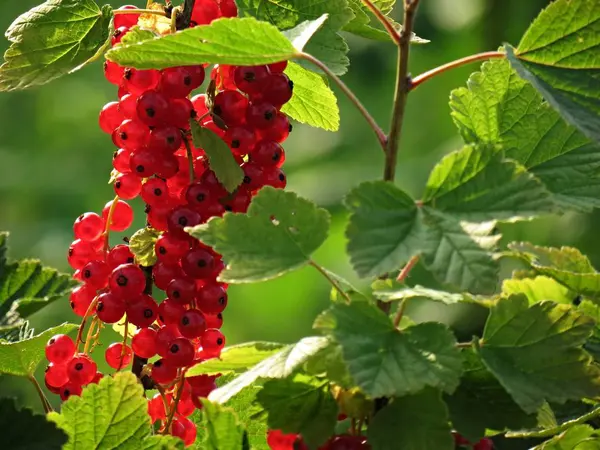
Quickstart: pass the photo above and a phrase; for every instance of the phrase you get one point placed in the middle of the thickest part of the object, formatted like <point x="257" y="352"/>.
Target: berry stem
<point x="175" y="403"/>
<point x="399" y="313"/>
<point x="140" y="11"/>
<point x="412" y="262"/>
<point x="45" y="403"/>
<point x="190" y="156"/>
<point x="125" y="334"/>
<point x="464" y="345"/>
<point x="83" y="321"/>
<point x="370" y="120"/>
<point x="402" y="89"/>
<point x="329" y="278"/>
<point x="420" y="79"/>
<point x="90" y="335"/>
<point x="109" y="217"/>
<point x="389" y="26"/>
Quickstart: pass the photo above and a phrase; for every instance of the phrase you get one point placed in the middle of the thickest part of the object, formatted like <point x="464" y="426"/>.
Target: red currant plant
<point x="208" y="166"/>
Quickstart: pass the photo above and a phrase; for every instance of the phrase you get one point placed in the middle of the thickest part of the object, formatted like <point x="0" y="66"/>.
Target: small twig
<point x="405" y="272"/>
<point x="78" y="340"/>
<point x="175" y="403"/>
<point x="381" y="137"/>
<point x="90" y="335"/>
<point x="109" y="217"/>
<point x="420" y="79"/>
<point x="44" y="400"/>
<point x="389" y="26"/>
<point x="125" y="334"/>
<point x="334" y="283"/>
<point x="464" y="345"/>
<point x="400" y="313"/>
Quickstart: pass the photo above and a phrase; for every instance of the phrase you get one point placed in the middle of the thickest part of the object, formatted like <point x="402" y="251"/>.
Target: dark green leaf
<point x="414" y="422"/>
<point x="498" y="107"/>
<point x="558" y="55"/>
<point x="386" y="362"/>
<point x="279" y="234"/>
<point x="481" y="403"/>
<point x="280" y="365"/>
<point x="22" y="358"/>
<point x="224" y="431"/>
<point x="225" y="41"/>
<point x="385" y="228"/>
<point x="53" y="39"/>
<point x="326" y="45"/>
<point x="535" y="352"/>
<point x="301" y="404"/>
<point x="459" y="253"/>
<point x="142" y="244"/>
<point x="220" y="157"/>
<point x="477" y="184"/>
<point x="236" y="359"/>
<point x="112" y="414"/>
<point x="17" y="426"/>
<point x="313" y="102"/>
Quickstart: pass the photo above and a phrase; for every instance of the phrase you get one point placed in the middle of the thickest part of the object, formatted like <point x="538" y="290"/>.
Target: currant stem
<point x="405" y="272"/>
<point x="402" y="89"/>
<point x="45" y="403"/>
<point x="418" y="80"/>
<point x="381" y="137"/>
<point x="140" y="11"/>
<point x="389" y="27"/>
<point x="82" y="325"/>
<point x="464" y="345"/>
<point x="175" y="403"/>
<point x="109" y="217"/>
<point x="125" y="334"/>
<point x="90" y="335"/>
<point x="334" y="283"/>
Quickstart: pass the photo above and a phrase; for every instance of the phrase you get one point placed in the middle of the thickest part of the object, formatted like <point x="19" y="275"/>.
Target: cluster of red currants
<point x="157" y="161"/>
<point x="279" y="441"/>
<point x="462" y="443"/>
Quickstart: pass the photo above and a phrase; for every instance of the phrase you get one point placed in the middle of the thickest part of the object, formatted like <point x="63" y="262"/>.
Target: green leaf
<point x="538" y="289"/>
<point x="27" y="286"/>
<point x="385" y="362"/>
<point x="326" y="45"/>
<point x="53" y="39"/>
<point x="280" y="365"/>
<point x="112" y="414"/>
<point x="481" y="403"/>
<point x="558" y="55"/>
<point x="22" y="358"/>
<point x="141" y="245"/>
<point x="233" y="41"/>
<point x="277" y="235"/>
<point x="224" y="431"/>
<point x="535" y="352"/>
<point x="220" y="157"/>
<point x="313" y="102"/>
<point x="420" y="292"/>
<point x="17" y="426"/>
<point x="136" y="35"/>
<point x="459" y="253"/>
<point x="414" y="422"/>
<point x="566" y="265"/>
<point x="499" y="107"/>
<point x="385" y="228"/>
<point x="301" y="34"/>
<point x="302" y="405"/>
<point x="249" y="413"/>
<point x="580" y="437"/>
<point x="236" y="359"/>
<point x="477" y="184"/>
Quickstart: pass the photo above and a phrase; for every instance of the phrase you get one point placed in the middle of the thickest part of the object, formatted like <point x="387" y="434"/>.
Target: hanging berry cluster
<point x="157" y="161"/>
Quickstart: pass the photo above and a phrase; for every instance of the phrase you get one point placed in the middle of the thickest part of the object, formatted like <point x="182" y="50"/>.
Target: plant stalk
<point x="420" y="79"/>
<point x="334" y="283"/>
<point x="355" y="101"/>
<point x="389" y="26"/>
<point x="402" y="89"/>
<point x="45" y="403"/>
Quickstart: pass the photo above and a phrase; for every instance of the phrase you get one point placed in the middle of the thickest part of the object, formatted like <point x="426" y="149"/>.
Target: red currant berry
<point x="118" y="34"/>
<point x="56" y="375"/>
<point x="198" y="74"/>
<point x="170" y="312"/>
<point x="250" y="79"/>
<point x="212" y="298"/>
<point x="95" y="274"/>
<point x="97" y="378"/>
<point x="192" y="324"/>
<point x="60" y="349"/>
<point x="131" y="134"/>
<point x="122" y="215"/>
<point x="275" y="177"/>
<point x="231" y="107"/>
<point x="198" y="263"/>
<point x="110" y="117"/>
<point x="155" y="191"/>
<point x="181" y="352"/>
<point x="182" y="290"/>
<point x="156" y="408"/>
<point x="127" y="281"/>
<point x="169" y="249"/>
<point x="176" y="82"/>
<point x="143" y="311"/>
<point x="254" y="177"/>
<point x="162" y="274"/>
<point x="126" y="20"/>
<point x="119" y="254"/>
<point x="81" y="298"/>
<point x="213" y="342"/>
<point x="228" y="8"/>
<point x="89" y="227"/>
<point x="180" y="218"/>
<point x="81" y="369"/>
<point x="484" y="444"/>
<point x="138" y="81"/>
<point x="118" y="355"/>
<point x="152" y="108"/>
<point x="214" y="320"/>
<point x="164" y="337"/>
<point x="185" y="429"/>
<point x="181" y="111"/>
<point x="165" y="139"/>
<point x="110" y="308"/>
<point x="113" y="72"/>
<point x="199" y="104"/>
<point x="80" y="253"/>
<point x="128" y="106"/>
<point x="143" y="343"/>
<point x="268" y="154"/>
<point x="278" y="67"/>
<point x="185" y="407"/>
<point x="261" y="115"/>
<point x="122" y="160"/>
<point x="240" y="139"/>
<point x="69" y="389"/>
<point x="277" y="89"/>
<point x="163" y="372"/>
<point x="279" y="130"/>
<point x="205" y="11"/>
<point x="168" y="166"/>
<point x="128" y="186"/>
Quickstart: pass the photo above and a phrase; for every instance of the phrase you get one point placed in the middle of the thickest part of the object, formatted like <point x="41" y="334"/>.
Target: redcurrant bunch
<point x="156" y="160"/>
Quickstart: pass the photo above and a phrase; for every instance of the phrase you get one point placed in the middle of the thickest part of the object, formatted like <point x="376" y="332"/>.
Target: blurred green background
<point x="55" y="163"/>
